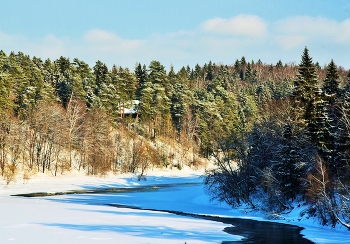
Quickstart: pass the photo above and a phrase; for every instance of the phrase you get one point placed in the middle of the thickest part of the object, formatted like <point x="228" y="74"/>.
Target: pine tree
<point x="289" y="169"/>
<point x="237" y="66"/>
<point x="210" y="71"/>
<point x="331" y="84"/>
<point x="125" y="85"/>
<point x="82" y="75"/>
<point x="324" y="129"/>
<point x="180" y="101"/>
<point x="64" y="92"/>
<point x="326" y="123"/>
<point x="101" y="74"/>
<point x="279" y="64"/>
<point x="248" y="73"/>
<point x="100" y="92"/>
<point x="155" y="101"/>
<point x="6" y="83"/>
<point x="188" y="71"/>
<point x="161" y="86"/>
<point x="182" y="76"/>
<point x="141" y="77"/>
<point x="172" y="75"/>
<point x="305" y="87"/>
<point x="64" y="83"/>
<point x="29" y="90"/>
<point x="197" y="72"/>
<point x="343" y="147"/>
<point x="243" y="61"/>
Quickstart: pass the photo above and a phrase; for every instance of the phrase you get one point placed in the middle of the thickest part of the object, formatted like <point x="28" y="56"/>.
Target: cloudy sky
<point x="177" y="32"/>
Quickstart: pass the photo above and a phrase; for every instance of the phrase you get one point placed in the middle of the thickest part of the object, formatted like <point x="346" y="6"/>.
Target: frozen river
<point x="180" y="200"/>
<point x="160" y="210"/>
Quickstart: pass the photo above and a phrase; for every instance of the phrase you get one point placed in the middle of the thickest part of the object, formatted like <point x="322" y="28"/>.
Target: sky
<point x="177" y="32"/>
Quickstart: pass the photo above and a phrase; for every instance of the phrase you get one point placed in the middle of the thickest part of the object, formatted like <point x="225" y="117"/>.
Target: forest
<point x="279" y="134"/>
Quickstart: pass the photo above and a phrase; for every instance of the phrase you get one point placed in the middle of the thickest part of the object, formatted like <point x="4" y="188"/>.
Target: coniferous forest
<point x="279" y="134"/>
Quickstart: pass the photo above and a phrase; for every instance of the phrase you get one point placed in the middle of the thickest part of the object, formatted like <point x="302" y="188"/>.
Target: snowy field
<point x="86" y="219"/>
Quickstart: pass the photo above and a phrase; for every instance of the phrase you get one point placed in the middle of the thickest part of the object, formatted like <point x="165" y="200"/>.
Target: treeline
<point x="278" y="132"/>
<point x="296" y="151"/>
<point x="62" y="114"/>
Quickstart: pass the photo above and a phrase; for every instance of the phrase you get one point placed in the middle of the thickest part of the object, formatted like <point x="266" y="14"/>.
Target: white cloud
<point x="5" y="39"/>
<point x="306" y="24"/>
<point x="290" y="41"/>
<point x="219" y="40"/>
<point x="344" y="35"/>
<point x="315" y="28"/>
<point x="107" y="41"/>
<point x="98" y="36"/>
<point x="50" y="46"/>
<point x="241" y="25"/>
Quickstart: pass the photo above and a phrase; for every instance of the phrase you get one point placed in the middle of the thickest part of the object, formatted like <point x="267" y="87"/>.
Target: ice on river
<point x="86" y="219"/>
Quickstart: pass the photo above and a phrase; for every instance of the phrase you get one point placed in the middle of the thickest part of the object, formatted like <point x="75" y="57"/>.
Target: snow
<point x="85" y="218"/>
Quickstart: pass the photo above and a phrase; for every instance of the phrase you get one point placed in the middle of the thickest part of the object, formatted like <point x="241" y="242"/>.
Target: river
<point x="159" y="198"/>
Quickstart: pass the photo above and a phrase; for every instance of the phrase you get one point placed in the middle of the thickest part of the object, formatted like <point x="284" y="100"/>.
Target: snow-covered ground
<point x="86" y="219"/>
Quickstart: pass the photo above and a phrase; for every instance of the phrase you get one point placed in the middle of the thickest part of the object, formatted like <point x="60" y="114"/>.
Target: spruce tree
<point x="197" y="71"/>
<point x="243" y="61"/>
<point x="331" y="84"/>
<point x="237" y="66"/>
<point x="210" y="71"/>
<point x="343" y="147"/>
<point x="172" y="75"/>
<point x="182" y="76"/>
<point x="141" y="77"/>
<point x="279" y="64"/>
<point x="289" y="169"/>
<point x="64" y="83"/>
<point x="248" y="73"/>
<point x="324" y="129"/>
<point x="101" y="75"/>
<point x="305" y="87"/>
<point x="188" y="71"/>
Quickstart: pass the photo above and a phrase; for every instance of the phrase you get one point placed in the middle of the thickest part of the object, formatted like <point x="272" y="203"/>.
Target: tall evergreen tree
<point x="183" y="76"/>
<point x="331" y="83"/>
<point x="305" y="87"/>
<point x="29" y="89"/>
<point x="180" y="101"/>
<point x="248" y="73"/>
<point x="141" y="78"/>
<point x="82" y="75"/>
<point x="101" y="75"/>
<point x="6" y="82"/>
<point x="326" y="124"/>
<point x="291" y="168"/>
<point x="210" y="71"/>
<point x="64" y="84"/>
<point x="237" y="66"/>
<point x="279" y="64"/>
<point x="155" y="101"/>
<point x="197" y="71"/>
<point x="172" y="75"/>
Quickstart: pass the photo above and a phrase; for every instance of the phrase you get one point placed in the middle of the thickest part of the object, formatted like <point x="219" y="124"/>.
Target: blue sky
<point x="178" y="32"/>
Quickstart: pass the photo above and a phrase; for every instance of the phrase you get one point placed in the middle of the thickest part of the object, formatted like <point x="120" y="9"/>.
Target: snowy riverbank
<point x="75" y="219"/>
